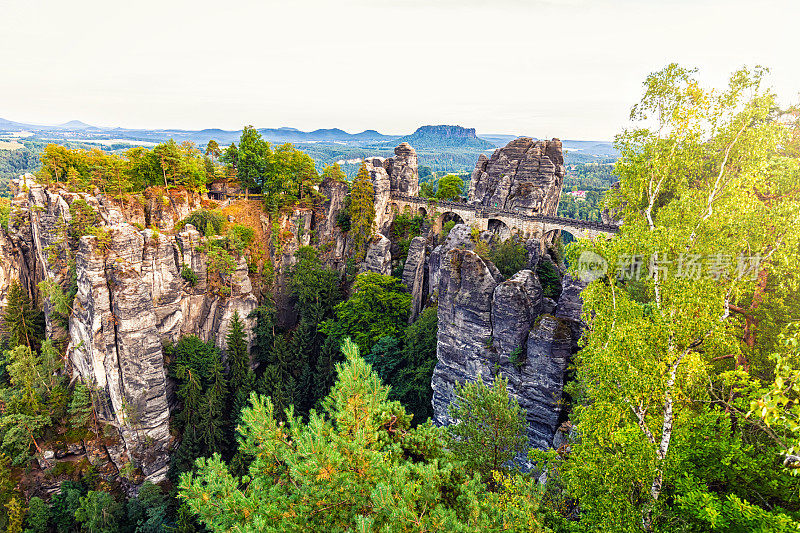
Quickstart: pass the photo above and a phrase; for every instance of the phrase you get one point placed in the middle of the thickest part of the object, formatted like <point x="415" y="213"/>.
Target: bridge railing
<point x="484" y="212"/>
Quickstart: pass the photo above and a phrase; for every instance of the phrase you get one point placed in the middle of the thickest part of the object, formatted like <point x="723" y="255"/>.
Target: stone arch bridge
<point x="503" y="221"/>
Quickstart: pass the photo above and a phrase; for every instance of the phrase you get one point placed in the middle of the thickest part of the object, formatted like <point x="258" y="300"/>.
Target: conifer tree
<point x="80" y="407"/>
<point x="356" y="467"/>
<point x="211" y="413"/>
<point x="22" y="323"/>
<point x="362" y="211"/>
<point x="241" y="377"/>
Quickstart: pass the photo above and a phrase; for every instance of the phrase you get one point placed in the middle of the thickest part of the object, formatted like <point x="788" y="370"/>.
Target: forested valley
<point x="312" y="409"/>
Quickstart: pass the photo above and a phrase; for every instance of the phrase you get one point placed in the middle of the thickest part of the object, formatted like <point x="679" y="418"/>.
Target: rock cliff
<point x="525" y="175"/>
<point x="489" y="326"/>
<point x="130" y="299"/>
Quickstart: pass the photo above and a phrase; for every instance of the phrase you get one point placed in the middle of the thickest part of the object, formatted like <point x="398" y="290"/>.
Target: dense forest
<point x="683" y="410"/>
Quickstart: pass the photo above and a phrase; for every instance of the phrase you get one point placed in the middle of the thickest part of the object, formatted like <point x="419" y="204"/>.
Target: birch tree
<point x="710" y="203"/>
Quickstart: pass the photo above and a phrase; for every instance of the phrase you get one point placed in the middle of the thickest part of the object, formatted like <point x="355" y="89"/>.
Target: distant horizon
<point x="285" y="127"/>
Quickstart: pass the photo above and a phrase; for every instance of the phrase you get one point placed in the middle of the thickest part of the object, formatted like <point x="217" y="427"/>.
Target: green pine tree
<point x="22" y="323"/>
<point x="362" y="211"/>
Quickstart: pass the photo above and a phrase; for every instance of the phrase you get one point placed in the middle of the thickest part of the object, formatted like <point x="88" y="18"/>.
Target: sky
<point x="547" y="68"/>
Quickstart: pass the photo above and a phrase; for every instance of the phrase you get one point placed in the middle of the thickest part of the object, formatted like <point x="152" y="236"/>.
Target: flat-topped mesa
<point x="525" y="175"/>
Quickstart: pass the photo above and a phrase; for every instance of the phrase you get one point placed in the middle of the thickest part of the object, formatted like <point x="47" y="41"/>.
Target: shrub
<point x="240" y="237"/>
<point x="207" y="222"/>
<point x="83" y="218"/>
<point x="550" y="280"/>
<point x="509" y="257"/>
<point x="188" y="274"/>
<point x="446" y="229"/>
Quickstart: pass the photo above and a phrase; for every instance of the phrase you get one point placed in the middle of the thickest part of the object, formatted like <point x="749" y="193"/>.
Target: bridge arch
<point x="499" y="228"/>
<point x="444" y="218"/>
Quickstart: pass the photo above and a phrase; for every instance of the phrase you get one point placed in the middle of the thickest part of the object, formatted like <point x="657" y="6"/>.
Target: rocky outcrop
<point x="332" y="241"/>
<point x="379" y="257"/>
<point x="525" y="175"/>
<point x="116" y="346"/>
<point x="381" y="186"/>
<point x="489" y="326"/>
<point x="402" y="169"/>
<point x="460" y="236"/>
<point x="415" y="275"/>
<point x="131" y="298"/>
<point x="396" y="174"/>
<point x="464" y="338"/>
<point x="294" y="231"/>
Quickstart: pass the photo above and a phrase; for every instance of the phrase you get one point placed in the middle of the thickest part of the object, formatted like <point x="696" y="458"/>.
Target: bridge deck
<point x="485" y="212"/>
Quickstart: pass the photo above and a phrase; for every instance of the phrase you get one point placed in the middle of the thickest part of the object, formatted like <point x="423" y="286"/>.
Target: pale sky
<point x="547" y="68"/>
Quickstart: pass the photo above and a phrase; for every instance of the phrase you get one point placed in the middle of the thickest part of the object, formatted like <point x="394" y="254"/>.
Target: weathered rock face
<point x="396" y="174"/>
<point x="460" y="236"/>
<point x="295" y="231"/>
<point x="381" y="185"/>
<point x="379" y="256"/>
<point x="332" y="242"/>
<point x="116" y="346"/>
<point x="130" y="299"/>
<point x="163" y="210"/>
<point x="487" y="325"/>
<point x="415" y="275"/>
<point x="402" y="169"/>
<point x="524" y="175"/>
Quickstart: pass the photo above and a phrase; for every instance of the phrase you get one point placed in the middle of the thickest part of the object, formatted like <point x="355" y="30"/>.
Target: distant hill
<point x="442" y="136"/>
<point x="75" y="125"/>
<point x="443" y="148"/>
<point x="498" y="140"/>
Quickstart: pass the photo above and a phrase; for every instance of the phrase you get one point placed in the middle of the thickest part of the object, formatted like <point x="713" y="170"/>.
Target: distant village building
<point x="578" y="195"/>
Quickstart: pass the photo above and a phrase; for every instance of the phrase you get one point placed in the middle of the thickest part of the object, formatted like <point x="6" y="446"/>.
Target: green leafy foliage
<point x="407" y="362"/>
<point x="202" y="391"/>
<point x="83" y="218"/>
<point x="362" y="210"/>
<point x="509" y="256"/>
<point x="207" y="222"/>
<point x="451" y="187"/>
<point x="378" y="306"/>
<point x="550" y="279"/>
<point x="99" y="512"/>
<point x="168" y="164"/>
<point x="188" y="274"/>
<point x="240" y="236"/>
<point x="22" y="323"/>
<point x="673" y="363"/>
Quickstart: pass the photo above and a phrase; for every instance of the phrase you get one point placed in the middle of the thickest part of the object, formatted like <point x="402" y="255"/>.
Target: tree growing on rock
<point x="489" y="429"/>
<point x="362" y="211"/>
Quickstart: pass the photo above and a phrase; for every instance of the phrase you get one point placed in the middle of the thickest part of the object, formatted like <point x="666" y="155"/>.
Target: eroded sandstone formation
<point x="489" y="326"/>
<point x="131" y="298"/>
<point x="525" y="176"/>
